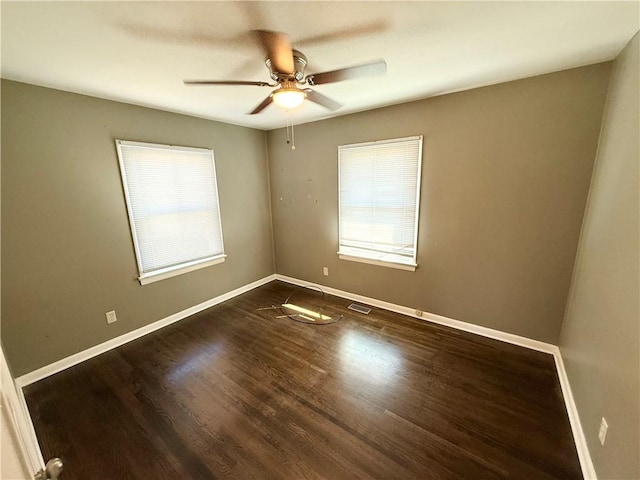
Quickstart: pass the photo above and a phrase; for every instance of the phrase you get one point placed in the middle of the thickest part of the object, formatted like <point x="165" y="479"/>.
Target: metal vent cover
<point x="359" y="308"/>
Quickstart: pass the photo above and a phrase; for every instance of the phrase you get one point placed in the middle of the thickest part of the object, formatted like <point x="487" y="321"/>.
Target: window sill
<point x="388" y="260"/>
<point x="169" y="272"/>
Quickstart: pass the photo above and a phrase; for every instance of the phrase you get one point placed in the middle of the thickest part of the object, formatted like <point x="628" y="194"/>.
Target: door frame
<point x="18" y="415"/>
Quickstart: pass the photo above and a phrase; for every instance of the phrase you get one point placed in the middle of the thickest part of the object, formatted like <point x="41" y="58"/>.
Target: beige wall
<point x="600" y="341"/>
<point x="67" y="253"/>
<point x="506" y="171"/>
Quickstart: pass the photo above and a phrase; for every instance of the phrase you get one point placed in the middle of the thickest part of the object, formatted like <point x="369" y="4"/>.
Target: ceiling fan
<point x="287" y="69"/>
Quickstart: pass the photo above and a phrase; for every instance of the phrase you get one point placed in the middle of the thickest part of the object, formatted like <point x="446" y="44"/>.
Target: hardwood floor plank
<point x="235" y="392"/>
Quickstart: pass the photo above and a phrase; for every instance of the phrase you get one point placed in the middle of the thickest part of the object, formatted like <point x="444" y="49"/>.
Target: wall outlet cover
<point x="111" y="316"/>
<point x="602" y="433"/>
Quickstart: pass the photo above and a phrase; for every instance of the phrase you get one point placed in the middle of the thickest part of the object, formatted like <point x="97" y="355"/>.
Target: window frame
<point x="184" y="267"/>
<point x="378" y="257"/>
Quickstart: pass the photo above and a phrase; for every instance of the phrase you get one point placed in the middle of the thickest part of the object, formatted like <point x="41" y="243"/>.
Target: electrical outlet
<point x="325" y="271"/>
<point x="111" y="316"/>
<point x="602" y="433"/>
<point x="418" y="313"/>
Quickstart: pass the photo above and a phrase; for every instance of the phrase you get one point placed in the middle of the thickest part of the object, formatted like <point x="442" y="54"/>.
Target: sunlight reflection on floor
<point x="365" y="358"/>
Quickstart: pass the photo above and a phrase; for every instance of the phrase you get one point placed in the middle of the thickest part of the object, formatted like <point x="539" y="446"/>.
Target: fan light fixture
<point x="288" y="98"/>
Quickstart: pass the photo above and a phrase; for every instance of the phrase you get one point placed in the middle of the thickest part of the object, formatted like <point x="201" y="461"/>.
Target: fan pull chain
<point x="288" y="115"/>
<point x="290" y="135"/>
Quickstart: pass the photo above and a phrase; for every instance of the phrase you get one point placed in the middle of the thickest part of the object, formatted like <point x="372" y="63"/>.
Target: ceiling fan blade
<point x="265" y="103"/>
<point x="278" y="49"/>
<point x="359" y="71"/>
<point x="185" y="37"/>
<point x="321" y="99"/>
<point x="226" y="82"/>
<point x="343" y="34"/>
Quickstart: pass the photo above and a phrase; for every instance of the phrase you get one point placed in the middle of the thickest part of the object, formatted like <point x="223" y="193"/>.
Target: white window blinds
<point x="172" y="198"/>
<point x="379" y="191"/>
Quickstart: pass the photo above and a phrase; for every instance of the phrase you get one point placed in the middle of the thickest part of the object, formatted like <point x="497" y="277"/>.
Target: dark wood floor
<point x="234" y="392"/>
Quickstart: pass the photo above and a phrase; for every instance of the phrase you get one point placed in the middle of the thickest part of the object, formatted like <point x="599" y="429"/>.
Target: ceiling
<point x="140" y="52"/>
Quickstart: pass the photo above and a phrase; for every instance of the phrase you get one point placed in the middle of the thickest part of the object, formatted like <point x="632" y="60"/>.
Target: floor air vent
<point x="359" y="308"/>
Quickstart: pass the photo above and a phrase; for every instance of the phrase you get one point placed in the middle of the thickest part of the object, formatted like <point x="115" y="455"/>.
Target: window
<point x="379" y="196"/>
<point x="172" y="199"/>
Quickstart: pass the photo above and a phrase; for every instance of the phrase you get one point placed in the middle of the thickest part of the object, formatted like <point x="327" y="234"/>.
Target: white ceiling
<point x="139" y="52"/>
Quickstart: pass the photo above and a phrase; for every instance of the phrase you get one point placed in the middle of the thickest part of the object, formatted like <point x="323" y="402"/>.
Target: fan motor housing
<point x="299" y="65"/>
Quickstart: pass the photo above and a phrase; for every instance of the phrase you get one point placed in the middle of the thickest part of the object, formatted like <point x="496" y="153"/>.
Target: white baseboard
<point x="80" y="357"/>
<point x="431" y="317"/>
<point x="584" y="456"/>
<point x="588" y="470"/>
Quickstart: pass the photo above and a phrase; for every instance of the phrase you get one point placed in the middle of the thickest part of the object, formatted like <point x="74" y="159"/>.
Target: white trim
<point x="189" y="265"/>
<point x="80" y="357"/>
<point x="20" y="420"/>
<point x="26" y="430"/>
<point x="355" y="253"/>
<point x="588" y="470"/>
<point x="586" y="463"/>
<point x="348" y="146"/>
<point x="431" y="317"/>
<point x="169" y="272"/>
<point x="160" y="146"/>
<point x="372" y="261"/>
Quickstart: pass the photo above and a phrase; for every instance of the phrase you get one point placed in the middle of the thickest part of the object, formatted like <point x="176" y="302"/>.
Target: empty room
<point x="320" y="240"/>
